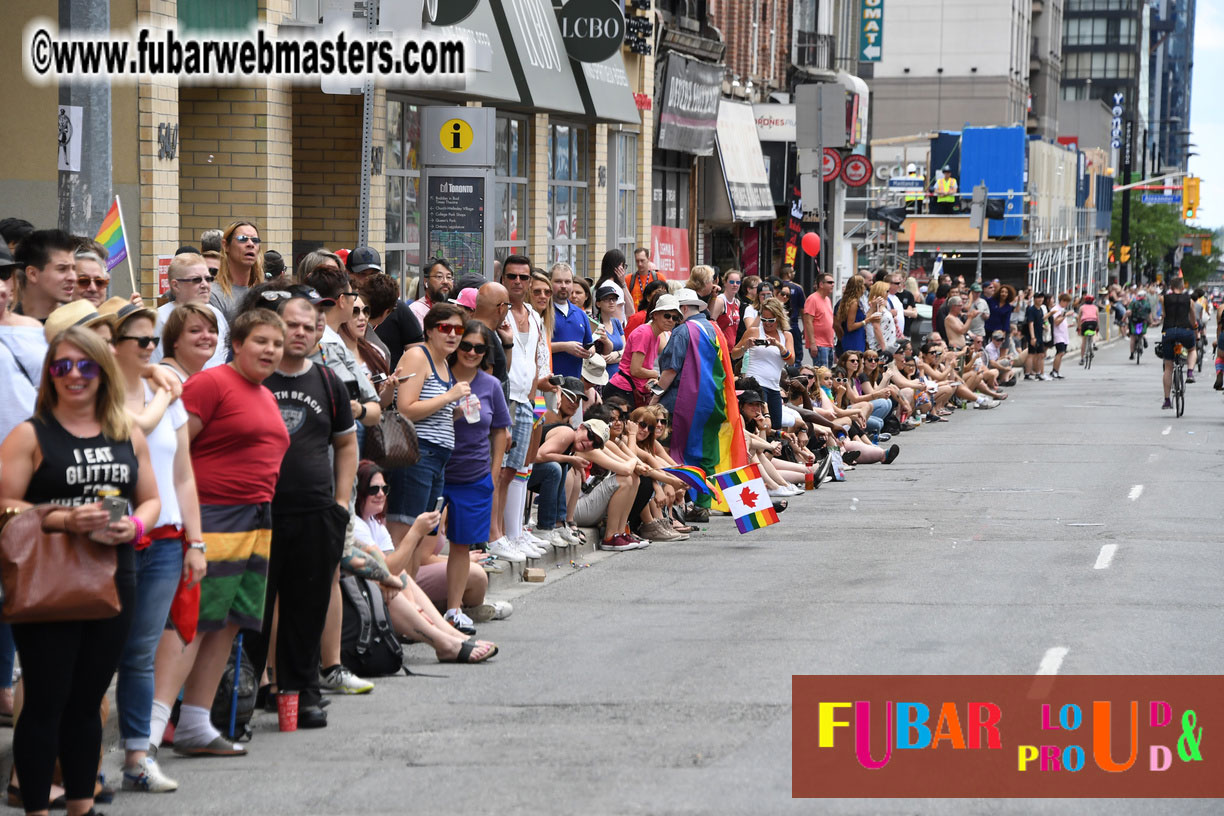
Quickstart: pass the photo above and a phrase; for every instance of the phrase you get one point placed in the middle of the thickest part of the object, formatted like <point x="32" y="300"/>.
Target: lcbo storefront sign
<point x="592" y="30"/>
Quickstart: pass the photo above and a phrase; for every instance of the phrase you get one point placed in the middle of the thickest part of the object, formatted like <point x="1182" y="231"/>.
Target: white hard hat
<point x="911" y="168"/>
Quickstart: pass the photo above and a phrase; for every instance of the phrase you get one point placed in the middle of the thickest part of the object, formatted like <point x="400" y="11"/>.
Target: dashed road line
<point x="1135" y="492"/>
<point x="1052" y="659"/>
<point x="1166" y="431"/>
<point x="1106" y="556"/>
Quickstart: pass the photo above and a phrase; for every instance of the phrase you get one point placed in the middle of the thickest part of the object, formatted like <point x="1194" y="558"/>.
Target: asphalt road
<point x="659" y="681"/>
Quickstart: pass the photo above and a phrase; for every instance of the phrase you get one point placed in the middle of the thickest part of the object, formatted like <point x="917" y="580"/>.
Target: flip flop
<point x="218" y="747"/>
<point x="465" y="653"/>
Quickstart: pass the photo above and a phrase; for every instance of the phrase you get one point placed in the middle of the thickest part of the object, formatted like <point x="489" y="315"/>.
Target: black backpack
<point x="220" y="714"/>
<point x="368" y="644"/>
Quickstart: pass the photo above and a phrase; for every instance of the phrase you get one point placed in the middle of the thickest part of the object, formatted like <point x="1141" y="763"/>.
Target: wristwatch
<point x="198" y="545"/>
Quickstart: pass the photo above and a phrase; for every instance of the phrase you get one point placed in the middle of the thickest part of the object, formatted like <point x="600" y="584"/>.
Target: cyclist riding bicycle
<point x="1180" y="326"/>
<point x="1087" y="322"/>
<point x="1138" y="317"/>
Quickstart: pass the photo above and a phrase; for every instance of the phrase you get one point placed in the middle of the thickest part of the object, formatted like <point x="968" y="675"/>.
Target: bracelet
<point x="363" y="413"/>
<point x="197" y="544"/>
<point x="140" y="528"/>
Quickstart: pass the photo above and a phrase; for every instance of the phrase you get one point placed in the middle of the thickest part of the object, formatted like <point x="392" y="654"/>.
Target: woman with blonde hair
<point x="882" y="330"/>
<point x="241" y="267"/>
<point x="67" y="665"/>
<point x="766" y="348"/>
<point x="701" y="281"/>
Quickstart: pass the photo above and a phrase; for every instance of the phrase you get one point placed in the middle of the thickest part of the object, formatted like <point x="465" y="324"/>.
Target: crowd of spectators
<point x="245" y="404"/>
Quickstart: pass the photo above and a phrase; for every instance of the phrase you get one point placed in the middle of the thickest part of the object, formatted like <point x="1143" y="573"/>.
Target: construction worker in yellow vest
<point x="945" y="193"/>
<point x="913" y="200"/>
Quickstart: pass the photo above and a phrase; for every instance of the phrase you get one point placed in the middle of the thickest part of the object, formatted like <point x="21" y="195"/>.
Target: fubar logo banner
<point x="1107" y="736"/>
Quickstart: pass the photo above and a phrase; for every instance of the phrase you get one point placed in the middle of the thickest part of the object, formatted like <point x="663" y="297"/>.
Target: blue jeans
<point x="8" y="656"/>
<point x="158" y="568"/>
<point x="548" y="480"/>
<point x="879" y="410"/>
<point x="415" y="489"/>
<point x="823" y="357"/>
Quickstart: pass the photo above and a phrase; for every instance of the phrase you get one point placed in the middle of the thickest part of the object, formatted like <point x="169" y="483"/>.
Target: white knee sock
<point x="157" y="723"/>
<point x="516" y="501"/>
<point x="194" y="727"/>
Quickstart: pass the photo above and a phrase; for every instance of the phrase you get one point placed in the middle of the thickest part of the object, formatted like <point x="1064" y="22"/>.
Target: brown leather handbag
<point x="54" y="576"/>
<point x="393" y="441"/>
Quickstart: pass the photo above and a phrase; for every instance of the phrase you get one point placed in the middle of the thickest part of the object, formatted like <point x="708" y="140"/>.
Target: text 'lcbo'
<point x="907" y="727"/>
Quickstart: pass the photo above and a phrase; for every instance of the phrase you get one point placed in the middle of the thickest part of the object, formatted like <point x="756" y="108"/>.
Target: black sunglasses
<point x="244" y="239"/>
<point x="145" y="341"/>
<point x="6" y="272"/>
<point x="196" y="280"/>
<point x="376" y="489"/>
<point x="364" y="310"/>
<point x="515" y="276"/>
<point x="478" y="348"/>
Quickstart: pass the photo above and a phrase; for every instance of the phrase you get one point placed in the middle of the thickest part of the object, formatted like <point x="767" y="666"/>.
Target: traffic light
<point x="1124" y="254"/>
<point x="1190" y="198"/>
<point x="1112" y="259"/>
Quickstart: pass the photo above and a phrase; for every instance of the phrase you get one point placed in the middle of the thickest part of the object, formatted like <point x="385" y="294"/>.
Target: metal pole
<point x="367" y="136"/>
<point x="1128" y="156"/>
<point x="981" y="238"/>
<point x="85" y="196"/>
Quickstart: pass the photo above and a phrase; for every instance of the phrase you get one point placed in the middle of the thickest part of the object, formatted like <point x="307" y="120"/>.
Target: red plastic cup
<point x="287" y="710"/>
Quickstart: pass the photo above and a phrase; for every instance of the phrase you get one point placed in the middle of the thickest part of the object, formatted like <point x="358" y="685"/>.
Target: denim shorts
<point x="416" y="489"/>
<point x="523" y="417"/>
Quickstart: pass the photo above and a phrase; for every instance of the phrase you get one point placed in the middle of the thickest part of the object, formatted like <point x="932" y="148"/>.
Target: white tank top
<point x="764" y="363"/>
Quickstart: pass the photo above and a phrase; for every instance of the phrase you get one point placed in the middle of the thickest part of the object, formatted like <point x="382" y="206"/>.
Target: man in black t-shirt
<point x="1180" y="326"/>
<point x="1034" y="333"/>
<point x="310" y="511"/>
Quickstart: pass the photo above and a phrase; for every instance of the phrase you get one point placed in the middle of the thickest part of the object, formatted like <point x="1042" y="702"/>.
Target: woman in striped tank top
<point x="428" y="394"/>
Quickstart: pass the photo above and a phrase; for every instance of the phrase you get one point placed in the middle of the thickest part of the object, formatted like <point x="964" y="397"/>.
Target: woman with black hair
<point x="612" y="270"/>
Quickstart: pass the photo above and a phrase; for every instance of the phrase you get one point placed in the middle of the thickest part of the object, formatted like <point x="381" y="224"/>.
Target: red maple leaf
<point x="748" y="497"/>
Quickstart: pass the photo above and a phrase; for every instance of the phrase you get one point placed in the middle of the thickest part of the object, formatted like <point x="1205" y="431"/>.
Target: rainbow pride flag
<point x="706" y="429"/>
<point x="523" y="476"/>
<point x="541" y="407"/>
<point x="694" y="477"/>
<point x="747" y="498"/>
<point x="110" y="235"/>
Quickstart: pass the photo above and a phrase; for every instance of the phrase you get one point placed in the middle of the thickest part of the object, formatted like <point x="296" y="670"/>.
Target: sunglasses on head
<point x="449" y="328"/>
<point x="196" y="280"/>
<point x="85" y="282"/>
<point x="88" y="369"/>
<point x="144" y="341"/>
<point x="476" y="348"/>
<point x="247" y="239"/>
<point x="273" y="295"/>
<point x="382" y="488"/>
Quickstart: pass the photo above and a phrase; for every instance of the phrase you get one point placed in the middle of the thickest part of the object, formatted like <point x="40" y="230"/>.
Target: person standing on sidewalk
<point x="1060" y="333"/>
<point x="1034" y="332"/>
<point x="310" y="511"/>
<point x="818" y="322"/>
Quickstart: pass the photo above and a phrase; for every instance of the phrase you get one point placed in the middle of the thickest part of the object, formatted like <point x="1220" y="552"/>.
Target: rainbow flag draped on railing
<point x="110" y="235"/>
<point x="706" y="428"/>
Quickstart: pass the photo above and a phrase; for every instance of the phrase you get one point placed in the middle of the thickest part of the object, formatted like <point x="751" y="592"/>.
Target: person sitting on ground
<point x="622" y="444"/>
<point x="413" y="613"/>
<point x="556" y="476"/>
<point x="1000" y="359"/>
<point x="607" y="496"/>
<point x="633" y="381"/>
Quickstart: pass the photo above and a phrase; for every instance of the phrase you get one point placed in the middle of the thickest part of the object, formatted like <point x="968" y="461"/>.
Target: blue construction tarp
<point x="997" y="157"/>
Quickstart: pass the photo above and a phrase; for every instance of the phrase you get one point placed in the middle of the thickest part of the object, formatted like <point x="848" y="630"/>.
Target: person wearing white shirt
<point x="191" y="282"/>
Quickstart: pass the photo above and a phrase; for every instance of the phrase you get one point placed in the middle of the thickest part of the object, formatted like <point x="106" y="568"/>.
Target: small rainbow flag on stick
<point x="111" y="236"/>
<point x="747" y="498"/>
<point x="694" y="477"/>
<point x="541" y="407"/>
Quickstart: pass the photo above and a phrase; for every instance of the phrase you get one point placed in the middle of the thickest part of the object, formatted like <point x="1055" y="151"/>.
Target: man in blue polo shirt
<point x="571" y="328"/>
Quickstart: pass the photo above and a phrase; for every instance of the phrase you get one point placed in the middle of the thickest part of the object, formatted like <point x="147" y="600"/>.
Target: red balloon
<point x="811" y="244"/>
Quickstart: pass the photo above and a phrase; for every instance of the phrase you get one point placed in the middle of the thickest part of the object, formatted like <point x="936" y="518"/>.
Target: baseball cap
<point x="975" y="287"/>
<point x="6" y="257"/>
<point x="598" y="430"/>
<point x="467" y="299"/>
<point x="997" y="335"/>
<point x="595" y="370"/>
<point x="186" y="249"/>
<point x="750" y="397"/>
<point x="572" y="388"/>
<point x="606" y="291"/>
<point x="76" y="313"/>
<point x="666" y="303"/>
<point x="310" y="293"/>
<point x="364" y="258"/>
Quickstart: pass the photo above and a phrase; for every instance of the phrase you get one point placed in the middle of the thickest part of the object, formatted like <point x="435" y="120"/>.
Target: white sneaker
<point x="780" y="492"/>
<point x="146" y="776"/>
<point x="504" y="549"/>
<point x="536" y="541"/>
<point x="553" y="538"/>
<point x="524" y="545"/>
<point x="1045" y="377"/>
<point x="342" y="681"/>
<point x="568" y="534"/>
<point x="502" y="610"/>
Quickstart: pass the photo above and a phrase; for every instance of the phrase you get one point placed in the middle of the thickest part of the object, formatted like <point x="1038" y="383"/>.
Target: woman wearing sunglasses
<point x="427" y="394"/>
<point x="68" y="665"/>
<point x="240" y="269"/>
<point x="766" y="348"/>
<point x="632" y="382"/>
<point x="169" y="556"/>
<point x="481" y="436"/>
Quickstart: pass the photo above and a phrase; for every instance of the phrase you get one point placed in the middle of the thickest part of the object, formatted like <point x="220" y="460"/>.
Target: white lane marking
<point x="1135" y="493"/>
<point x="1151" y="457"/>
<point x="1106" y="556"/>
<point x="1166" y="431"/>
<point x="1052" y="660"/>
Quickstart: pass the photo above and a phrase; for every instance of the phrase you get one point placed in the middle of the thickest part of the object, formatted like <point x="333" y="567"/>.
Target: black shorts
<point x="1088" y="325"/>
<point x="1061" y="348"/>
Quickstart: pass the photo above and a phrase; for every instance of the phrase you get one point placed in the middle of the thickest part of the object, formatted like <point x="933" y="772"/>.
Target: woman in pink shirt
<point x="637" y="372"/>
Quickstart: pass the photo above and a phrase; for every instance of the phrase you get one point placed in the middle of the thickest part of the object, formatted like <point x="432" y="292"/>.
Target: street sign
<point x="1162" y="198"/>
<point x="906" y="183"/>
<point x="832" y="164"/>
<point x="856" y="171"/>
<point x="871" y="31"/>
<point x="1119" y="98"/>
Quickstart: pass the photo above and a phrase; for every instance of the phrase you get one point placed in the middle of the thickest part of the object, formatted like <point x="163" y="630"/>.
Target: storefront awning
<point x="489" y="76"/>
<point x="541" y="67"/>
<point x="687" y="105"/>
<point x="605" y="90"/>
<point x="742" y="163"/>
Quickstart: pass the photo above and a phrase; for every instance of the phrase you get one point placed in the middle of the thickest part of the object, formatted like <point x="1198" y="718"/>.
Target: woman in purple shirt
<point x="481" y="420"/>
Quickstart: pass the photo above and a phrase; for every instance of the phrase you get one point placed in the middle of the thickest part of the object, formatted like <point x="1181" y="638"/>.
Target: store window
<point x="567" y="195"/>
<point x="510" y="190"/>
<point x="626" y="192"/>
<point x="402" y="170"/>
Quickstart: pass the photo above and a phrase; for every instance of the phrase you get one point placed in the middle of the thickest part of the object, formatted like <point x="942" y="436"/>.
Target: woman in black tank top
<point x="78" y="445"/>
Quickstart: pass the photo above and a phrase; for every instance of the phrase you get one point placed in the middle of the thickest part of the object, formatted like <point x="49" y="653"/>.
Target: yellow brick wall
<point x="157" y="103"/>
<point x="599" y="199"/>
<point x="537" y="191"/>
<point x="327" y="167"/>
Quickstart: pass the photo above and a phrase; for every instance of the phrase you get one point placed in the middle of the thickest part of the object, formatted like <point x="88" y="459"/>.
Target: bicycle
<point x="1201" y="350"/>
<point x="1179" y="378"/>
<point x="1137" y="334"/>
<point x="1090" y="349"/>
